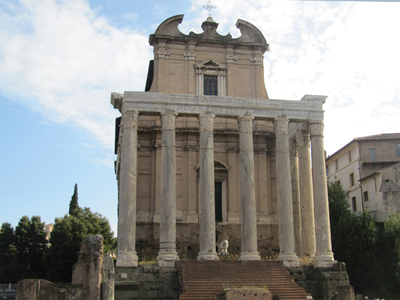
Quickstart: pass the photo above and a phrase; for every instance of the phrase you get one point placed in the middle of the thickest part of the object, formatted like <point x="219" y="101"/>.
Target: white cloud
<point x="63" y="60"/>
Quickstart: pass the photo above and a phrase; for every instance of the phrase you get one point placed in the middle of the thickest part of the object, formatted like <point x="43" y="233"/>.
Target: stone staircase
<point x="207" y="279"/>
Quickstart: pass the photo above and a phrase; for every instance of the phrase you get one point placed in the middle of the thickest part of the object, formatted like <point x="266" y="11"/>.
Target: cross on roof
<point x="209" y="7"/>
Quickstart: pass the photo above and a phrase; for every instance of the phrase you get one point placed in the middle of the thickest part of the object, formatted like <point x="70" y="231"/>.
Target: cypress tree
<point x="73" y="204"/>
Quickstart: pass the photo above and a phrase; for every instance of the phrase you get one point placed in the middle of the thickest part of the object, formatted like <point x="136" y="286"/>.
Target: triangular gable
<point x="210" y="64"/>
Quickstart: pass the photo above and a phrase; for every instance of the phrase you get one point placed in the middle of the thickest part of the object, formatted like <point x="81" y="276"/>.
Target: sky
<point x="61" y="59"/>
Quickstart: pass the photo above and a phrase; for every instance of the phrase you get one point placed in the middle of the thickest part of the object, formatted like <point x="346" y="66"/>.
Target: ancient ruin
<point x="205" y="156"/>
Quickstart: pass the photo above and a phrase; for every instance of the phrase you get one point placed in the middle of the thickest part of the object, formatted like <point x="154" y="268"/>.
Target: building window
<point x="366" y="196"/>
<point x="210" y="85"/>
<point x="372" y="155"/>
<point x="352" y="179"/>
<point x="211" y="78"/>
<point x="327" y="170"/>
<point x="336" y="164"/>
<point x="350" y="159"/>
<point x="354" y="204"/>
<point x="398" y="150"/>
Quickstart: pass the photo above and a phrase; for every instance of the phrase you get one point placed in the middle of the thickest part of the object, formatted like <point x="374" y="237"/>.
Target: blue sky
<point x="61" y="59"/>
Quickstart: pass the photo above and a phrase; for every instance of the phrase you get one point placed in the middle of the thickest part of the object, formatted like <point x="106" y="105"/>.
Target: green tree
<point x="31" y="247"/>
<point x="73" y="204"/>
<point x="389" y="258"/>
<point x="8" y="257"/>
<point x="354" y="239"/>
<point x="66" y="238"/>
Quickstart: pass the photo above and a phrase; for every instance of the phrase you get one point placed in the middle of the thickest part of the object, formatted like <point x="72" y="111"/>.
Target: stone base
<point x="323" y="260"/>
<point x="289" y="260"/>
<point x="248" y="294"/>
<point x="127" y="259"/>
<point x="249" y="256"/>
<point x="208" y="256"/>
<point x="167" y="259"/>
<point x="324" y="283"/>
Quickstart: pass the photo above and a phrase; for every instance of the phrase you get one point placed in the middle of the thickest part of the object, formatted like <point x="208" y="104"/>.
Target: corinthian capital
<point x="281" y="126"/>
<point x="168" y="120"/>
<point x="206" y="122"/>
<point x="129" y="119"/>
<point x="316" y="128"/>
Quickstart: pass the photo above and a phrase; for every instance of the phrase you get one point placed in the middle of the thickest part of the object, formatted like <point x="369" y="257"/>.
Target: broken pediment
<point x="250" y="35"/>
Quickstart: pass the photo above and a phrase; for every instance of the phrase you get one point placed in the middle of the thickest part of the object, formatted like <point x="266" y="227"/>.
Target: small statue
<point x="223" y="248"/>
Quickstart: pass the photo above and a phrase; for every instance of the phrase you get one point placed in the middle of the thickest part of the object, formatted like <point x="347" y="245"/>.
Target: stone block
<point x="123" y="295"/>
<point x="162" y="294"/>
<point x="345" y="292"/>
<point x="150" y="269"/>
<point x="151" y="294"/>
<point x="145" y="286"/>
<point x="168" y="270"/>
<point x="152" y="277"/>
<point x="127" y="285"/>
<point x="248" y="294"/>
<point x="157" y="285"/>
<point x="173" y="294"/>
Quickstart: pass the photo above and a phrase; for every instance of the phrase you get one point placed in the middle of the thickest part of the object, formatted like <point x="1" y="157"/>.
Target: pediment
<point x="210" y="64"/>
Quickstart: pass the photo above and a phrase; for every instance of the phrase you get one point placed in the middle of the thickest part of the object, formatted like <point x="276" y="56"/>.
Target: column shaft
<point x="167" y="254"/>
<point x="126" y="255"/>
<point x="294" y="168"/>
<point x="207" y="193"/>
<point x="306" y="194"/>
<point x="284" y="192"/>
<point x="247" y="191"/>
<point x="323" y="255"/>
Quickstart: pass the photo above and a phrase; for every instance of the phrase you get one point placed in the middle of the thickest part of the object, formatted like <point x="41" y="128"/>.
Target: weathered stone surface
<point x="324" y="282"/>
<point x="167" y="254"/>
<point x="88" y="271"/>
<point x="154" y="282"/>
<point x="306" y="194"/>
<point x="206" y="192"/>
<point x="248" y="294"/>
<point x="247" y="191"/>
<point x="108" y="281"/>
<point x="324" y="254"/>
<point x="126" y="256"/>
<point x="284" y="194"/>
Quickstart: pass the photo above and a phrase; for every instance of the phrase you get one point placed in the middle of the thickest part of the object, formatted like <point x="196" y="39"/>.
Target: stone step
<point x="206" y="279"/>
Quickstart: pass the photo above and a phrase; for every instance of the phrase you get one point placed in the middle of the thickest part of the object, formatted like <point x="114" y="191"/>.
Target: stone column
<point x="247" y="191"/>
<point x="207" y="195"/>
<point x="306" y="194"/>
<point x="167" y="254"/>
<point x="323" y="255"/>
<point x="126" y="255"/>
<point x="294" y="174"/>
<point x="284" y="192"/>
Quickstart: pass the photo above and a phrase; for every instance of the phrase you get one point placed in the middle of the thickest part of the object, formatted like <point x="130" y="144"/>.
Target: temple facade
<point x="205" y="156"/>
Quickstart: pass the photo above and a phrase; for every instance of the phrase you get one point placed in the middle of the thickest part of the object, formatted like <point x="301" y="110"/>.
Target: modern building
<point x="205" y="156"/>
<point x="367" y="167"/>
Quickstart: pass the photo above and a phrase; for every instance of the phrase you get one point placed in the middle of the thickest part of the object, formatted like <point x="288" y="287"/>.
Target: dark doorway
<point x="218" y="201"/>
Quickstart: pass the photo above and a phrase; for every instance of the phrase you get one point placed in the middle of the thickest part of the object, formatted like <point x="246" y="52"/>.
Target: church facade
<point x="205" y="156"/>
